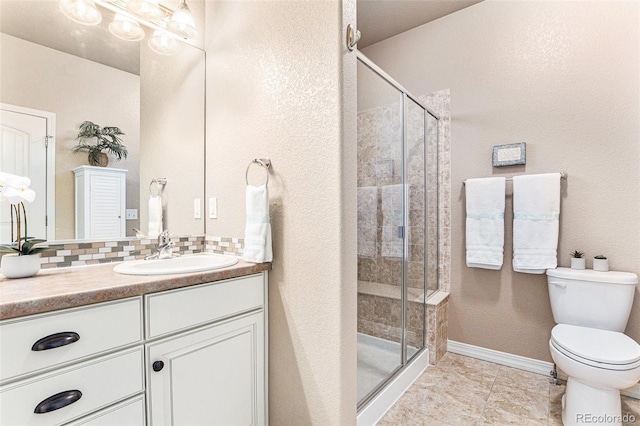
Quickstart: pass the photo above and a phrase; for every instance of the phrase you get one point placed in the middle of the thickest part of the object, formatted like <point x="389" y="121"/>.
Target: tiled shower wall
<point x="93" y="253"/>
<point x="380" y="196"/>
<point x="379" y="261"/>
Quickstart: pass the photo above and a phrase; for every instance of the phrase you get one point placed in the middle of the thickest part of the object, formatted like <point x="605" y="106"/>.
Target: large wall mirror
<point x="55" y="72"/>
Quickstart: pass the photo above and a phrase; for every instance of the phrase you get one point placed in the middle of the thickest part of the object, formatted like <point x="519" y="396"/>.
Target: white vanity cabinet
<point x="100" y="202"/>
<point x="213" y="370"/>
<point x="192" y="356"/>
<point x="60" y="366"/>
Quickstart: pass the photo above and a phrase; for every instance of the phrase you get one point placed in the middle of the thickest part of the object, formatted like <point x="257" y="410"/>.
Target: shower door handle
<point x="400" y="231"/>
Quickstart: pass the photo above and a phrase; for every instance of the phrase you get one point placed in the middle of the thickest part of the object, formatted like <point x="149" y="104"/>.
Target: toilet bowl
<point x="599" y="364"/>
<point x="588" y="344"/>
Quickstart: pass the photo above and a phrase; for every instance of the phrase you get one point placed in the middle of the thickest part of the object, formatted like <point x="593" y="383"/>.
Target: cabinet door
<point x="107" y="204"/>
<point x="210" y="376"/>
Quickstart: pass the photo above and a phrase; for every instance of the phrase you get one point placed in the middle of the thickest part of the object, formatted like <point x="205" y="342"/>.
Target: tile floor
<point x="467" y="391"/>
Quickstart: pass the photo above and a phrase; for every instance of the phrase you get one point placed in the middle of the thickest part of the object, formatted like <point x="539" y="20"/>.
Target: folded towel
<point x="257" y="234"/>
<point x="485" y="222"/>
<point x="536" y="214"/>
<point x="155" y="216"/>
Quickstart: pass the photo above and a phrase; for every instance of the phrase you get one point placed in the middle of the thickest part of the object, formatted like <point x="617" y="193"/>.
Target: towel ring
<point x="263" y="162"/>
<point x="160" y="182"/>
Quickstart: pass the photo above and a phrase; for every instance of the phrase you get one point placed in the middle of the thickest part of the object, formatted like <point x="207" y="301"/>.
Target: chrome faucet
<point x="165" y="247"/>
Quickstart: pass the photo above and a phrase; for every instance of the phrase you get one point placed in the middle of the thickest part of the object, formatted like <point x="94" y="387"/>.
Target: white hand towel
<point x="257" y="234"/>
<point x="155" y="216"/>
<point x="485" y="222"/>
<point x="536" y="214"/>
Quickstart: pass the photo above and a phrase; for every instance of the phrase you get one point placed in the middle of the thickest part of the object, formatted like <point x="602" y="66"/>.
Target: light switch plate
<point x="197" y="209"/>
<point x="213" y="208"/>
<point x="131" y="214"/>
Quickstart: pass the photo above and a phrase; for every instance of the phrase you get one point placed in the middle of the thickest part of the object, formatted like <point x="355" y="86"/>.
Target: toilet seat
<point x="598" y="348"/>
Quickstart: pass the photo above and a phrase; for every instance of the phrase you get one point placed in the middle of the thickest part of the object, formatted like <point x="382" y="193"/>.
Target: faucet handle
<point x="163" y="238"/>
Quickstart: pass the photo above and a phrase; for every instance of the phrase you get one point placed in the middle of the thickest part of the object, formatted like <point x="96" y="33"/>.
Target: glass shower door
<point x="381" y="248"/>
<point x="415" y="158"/>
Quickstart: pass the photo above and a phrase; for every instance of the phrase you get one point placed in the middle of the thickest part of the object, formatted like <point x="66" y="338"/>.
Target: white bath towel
<point x="485" y="222"/>
<point x="155" y="216"/>
<point x="536" y="214"/>
<point x="257" y="234"/>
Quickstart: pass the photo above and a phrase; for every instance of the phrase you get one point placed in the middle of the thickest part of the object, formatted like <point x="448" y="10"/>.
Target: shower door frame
<point x="405" y="225"/>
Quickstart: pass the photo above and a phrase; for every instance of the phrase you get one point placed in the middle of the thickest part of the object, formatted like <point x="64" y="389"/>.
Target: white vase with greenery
<point x="578" y="260"/>
<point x="600" y="263"/>
<point x="21" y="258"/>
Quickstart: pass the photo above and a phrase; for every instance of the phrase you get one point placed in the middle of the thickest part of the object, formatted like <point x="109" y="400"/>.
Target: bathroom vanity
<point x="170" y="349"/>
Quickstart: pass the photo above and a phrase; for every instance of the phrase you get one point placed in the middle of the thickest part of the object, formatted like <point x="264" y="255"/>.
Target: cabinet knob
<point x="55" y="341"/>
<point x="158" y="365"/>
<point x="57" y="401"/>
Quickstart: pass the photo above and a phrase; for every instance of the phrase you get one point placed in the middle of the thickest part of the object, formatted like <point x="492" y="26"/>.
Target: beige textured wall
<point x="274" y="89"/>
<point x="562" y="77"/>
<point x="76" y="90"/>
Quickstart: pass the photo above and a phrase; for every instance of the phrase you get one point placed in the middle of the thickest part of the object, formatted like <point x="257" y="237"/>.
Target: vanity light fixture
<point x="130" y="15"/>
<point x="164" y="42"/>
<point x="147" y="9"/>
<point x="182" y="22"/>
<point x="126" y="28"/>
<point x="83" y="12"/>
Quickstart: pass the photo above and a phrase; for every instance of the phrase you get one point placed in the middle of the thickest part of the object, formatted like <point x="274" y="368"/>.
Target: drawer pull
<point x="157" y="366"/>
<point x="57" y="401"/>
<point x="55" y="341"/>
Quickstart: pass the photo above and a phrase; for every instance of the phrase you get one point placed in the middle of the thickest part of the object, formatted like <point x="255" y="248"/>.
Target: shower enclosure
<point x="397" y="226"/>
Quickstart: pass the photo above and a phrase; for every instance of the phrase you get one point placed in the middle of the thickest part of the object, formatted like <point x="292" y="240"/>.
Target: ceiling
<point x="381" y="19"/>
<point x="40" y="21"/>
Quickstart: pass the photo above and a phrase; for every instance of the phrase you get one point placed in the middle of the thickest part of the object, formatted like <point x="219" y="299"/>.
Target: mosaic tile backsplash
<point x="93" y="253"/>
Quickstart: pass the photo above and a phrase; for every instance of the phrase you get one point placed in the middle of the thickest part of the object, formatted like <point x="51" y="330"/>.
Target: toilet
<point x="591" y="309"/>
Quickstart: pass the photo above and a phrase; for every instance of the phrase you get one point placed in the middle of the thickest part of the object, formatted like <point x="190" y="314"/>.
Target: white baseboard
<point x="384" y="400"/>
<point x="519" y="362"/>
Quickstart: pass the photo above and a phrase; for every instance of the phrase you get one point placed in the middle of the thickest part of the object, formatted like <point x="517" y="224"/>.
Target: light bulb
<point x="126" y="28"/>
<point x="182" y="22"/>
<point x="164" y="43"/>
<point x="83" y="12"/>
<point x="147" y="9"/>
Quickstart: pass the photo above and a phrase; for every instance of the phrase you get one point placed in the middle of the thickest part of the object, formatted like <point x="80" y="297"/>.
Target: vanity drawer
<point x="180" y="309"/>
<point x="100" y="382"/>
<point x="127" y="413"/>
<point x="97" y="328"/>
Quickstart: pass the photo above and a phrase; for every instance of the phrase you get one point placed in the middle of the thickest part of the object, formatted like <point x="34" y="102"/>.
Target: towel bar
<point x="563" y="175"/>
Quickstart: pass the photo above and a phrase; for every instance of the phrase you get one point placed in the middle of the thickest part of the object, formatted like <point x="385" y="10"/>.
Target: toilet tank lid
<point x="613" y="277"/>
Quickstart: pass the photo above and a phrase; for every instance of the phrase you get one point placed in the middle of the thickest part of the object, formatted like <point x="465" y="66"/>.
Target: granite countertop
<point x="61" y="288"/>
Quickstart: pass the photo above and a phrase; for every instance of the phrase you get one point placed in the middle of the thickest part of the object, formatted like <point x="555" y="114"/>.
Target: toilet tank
<point x="591" y="298"/>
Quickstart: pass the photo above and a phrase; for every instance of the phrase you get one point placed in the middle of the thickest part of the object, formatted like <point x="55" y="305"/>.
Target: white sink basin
<point x="176" y="265"/>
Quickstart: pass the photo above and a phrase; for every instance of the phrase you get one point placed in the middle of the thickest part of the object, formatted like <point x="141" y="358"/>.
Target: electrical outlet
<point x="213" y="208"/>
<point x="196" y="209"/>
<point x="131" y="214"/>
